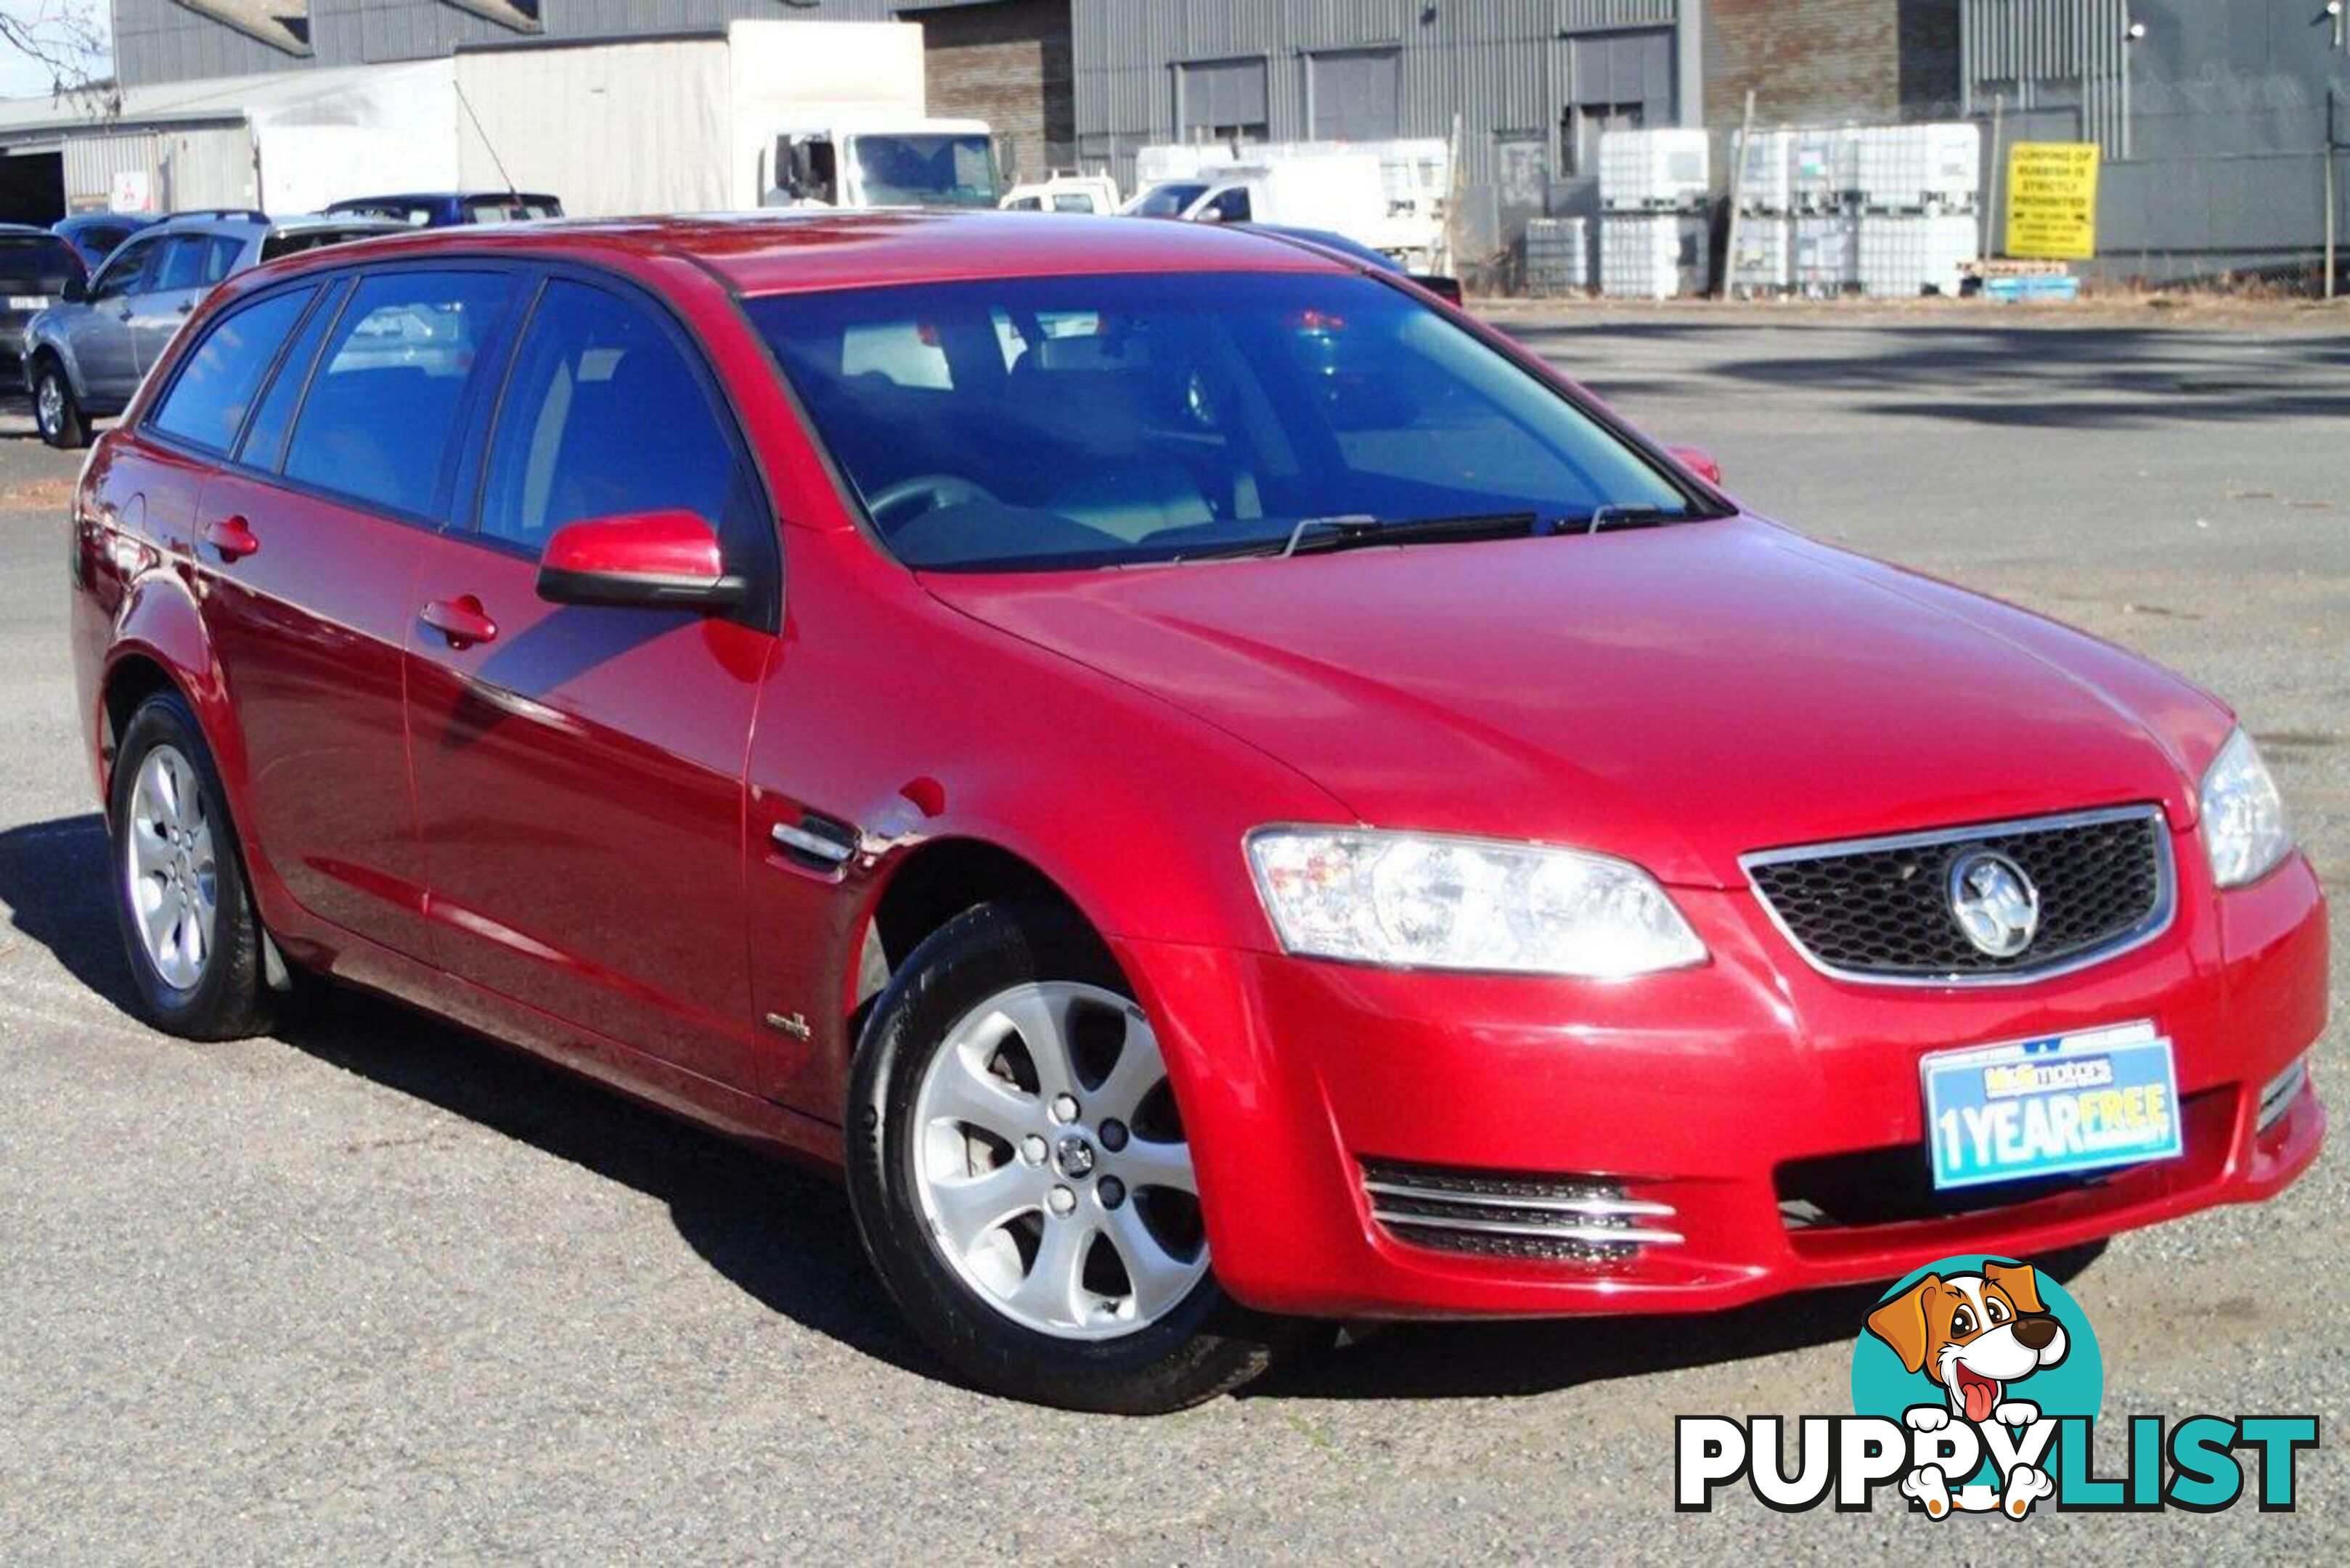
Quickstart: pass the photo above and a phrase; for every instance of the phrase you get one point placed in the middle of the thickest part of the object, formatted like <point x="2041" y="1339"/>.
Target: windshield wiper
<point x="1317" y="535"/>
<point x="1607" y="519"/>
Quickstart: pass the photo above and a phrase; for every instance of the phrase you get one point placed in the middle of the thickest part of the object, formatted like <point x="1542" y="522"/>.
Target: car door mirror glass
<point x="669" y="559"/>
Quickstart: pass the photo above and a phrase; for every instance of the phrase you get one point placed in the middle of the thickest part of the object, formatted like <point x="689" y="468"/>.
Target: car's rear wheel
<point x="1021" y="1180"/>
<point x="55" y="410"/>
<point x="179" y="892"/>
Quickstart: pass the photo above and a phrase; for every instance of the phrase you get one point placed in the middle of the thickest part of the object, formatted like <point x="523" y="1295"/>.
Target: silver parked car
<point x="84" y="355"/>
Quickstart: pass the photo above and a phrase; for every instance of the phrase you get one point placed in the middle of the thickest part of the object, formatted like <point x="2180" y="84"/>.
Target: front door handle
<point x="184" y="306"/>
<point x="232" y="537"/>
<point x="461" y="620"/>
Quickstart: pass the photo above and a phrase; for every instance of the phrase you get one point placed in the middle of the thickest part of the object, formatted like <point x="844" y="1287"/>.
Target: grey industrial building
<point x="2215" y="116"/>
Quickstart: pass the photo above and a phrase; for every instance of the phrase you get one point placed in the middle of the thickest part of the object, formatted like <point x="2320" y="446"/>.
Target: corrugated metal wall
<point x="1502" y="69"/>
<point x="2212" y="118"/>
<point x="2045" y="55"/>
<point x="156" y="41"/>
<point x="186" y="166"/>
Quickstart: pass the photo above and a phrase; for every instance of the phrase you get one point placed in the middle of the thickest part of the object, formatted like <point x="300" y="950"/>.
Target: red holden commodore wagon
<point x="1219" y="791"/>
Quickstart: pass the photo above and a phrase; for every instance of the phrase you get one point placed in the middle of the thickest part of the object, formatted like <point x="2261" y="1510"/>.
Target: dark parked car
<point x="37" y="268"/>
<point x="84" y="353"/>
<point x="447" y="209"/>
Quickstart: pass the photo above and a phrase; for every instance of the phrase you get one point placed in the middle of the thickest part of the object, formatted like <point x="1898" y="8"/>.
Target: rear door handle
<point x="232" y="537"/>
<point x="461" y="620"/>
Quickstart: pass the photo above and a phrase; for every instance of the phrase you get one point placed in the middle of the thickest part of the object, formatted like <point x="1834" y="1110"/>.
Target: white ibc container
<point x="1919" y="168"/>
<point x="1764" y="261"/>
<point x="1558" y="256"/>
<point x="1641" y="255"/>
<point x="1765" y="171"/>
<point x="1653" y="255"/>
<point x="1828" y="253"/>
<point x="1668" y="170"/>
<point x="1824" y="167"/>
<point x="1904" y="254"/>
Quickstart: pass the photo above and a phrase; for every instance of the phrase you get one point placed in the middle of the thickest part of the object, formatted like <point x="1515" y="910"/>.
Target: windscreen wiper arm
<point x="1608" y="519"/>
<point x="1314" y="536"/>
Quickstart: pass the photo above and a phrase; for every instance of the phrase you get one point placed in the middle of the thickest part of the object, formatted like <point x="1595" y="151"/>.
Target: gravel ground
<point x="374" y="1291"/>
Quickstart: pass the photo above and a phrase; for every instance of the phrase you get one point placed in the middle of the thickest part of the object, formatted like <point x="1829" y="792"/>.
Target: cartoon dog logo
<point x="1976" y="1337"/>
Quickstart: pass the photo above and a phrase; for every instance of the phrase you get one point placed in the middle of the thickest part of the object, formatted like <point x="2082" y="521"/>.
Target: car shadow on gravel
<point x="785" y="1236"/>
<point x="1454" y="1360"/>
<point x="781" y="1234"/>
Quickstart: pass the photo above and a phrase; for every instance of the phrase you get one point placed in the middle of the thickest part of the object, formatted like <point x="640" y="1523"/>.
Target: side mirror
<point x="76" y="289"/>
<point x="654" y="559"/>
<point x="1697" y="462"/>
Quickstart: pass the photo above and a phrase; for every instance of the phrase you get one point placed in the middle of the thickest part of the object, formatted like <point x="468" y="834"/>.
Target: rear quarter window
<point x="206" y="404"/>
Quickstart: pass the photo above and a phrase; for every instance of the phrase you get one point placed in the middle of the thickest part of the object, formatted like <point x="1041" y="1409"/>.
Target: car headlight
<point x="1416" y="901"/>
<point x="2243" y="816"/>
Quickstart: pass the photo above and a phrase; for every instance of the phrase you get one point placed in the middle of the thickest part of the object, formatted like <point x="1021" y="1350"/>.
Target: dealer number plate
<point x="2048" y="1106"/>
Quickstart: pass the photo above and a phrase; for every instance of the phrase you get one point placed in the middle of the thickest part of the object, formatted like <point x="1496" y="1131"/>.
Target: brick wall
<point x="1010" y="64"/>
<point x="1830" y="60"/>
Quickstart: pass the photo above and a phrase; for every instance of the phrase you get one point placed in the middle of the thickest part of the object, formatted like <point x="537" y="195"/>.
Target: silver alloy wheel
<point x="49" y="402"/>
<point x="169" y="867"/>
<point x="1042" y="1192"/>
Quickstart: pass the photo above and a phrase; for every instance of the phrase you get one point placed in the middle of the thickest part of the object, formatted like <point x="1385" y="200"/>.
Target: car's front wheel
<point x="1021" y="1179"/>
<point x="55" y="410"/>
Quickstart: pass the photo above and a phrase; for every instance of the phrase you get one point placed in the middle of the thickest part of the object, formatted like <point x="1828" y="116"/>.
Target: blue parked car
<point x="443" y="209"/>
<point x="94" y="235"/>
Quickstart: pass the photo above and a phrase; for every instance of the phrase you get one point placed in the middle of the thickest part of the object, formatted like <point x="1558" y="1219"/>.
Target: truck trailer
<point x="765" y="113"/>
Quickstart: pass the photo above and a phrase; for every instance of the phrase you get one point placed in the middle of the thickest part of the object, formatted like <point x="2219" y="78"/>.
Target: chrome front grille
<point x="1879" y="910"/>
<point x="1578" y="1219"/>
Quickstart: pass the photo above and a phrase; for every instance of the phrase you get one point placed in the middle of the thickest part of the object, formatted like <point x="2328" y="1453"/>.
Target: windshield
<point x="1166" y="201"/>
<point x="36" y="264"/>
<point x="925" y="171"/>
<point x="1034" y="424"/>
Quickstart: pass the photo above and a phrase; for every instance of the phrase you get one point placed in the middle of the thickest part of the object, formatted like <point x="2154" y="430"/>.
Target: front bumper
<point x="1718" y="1092"/>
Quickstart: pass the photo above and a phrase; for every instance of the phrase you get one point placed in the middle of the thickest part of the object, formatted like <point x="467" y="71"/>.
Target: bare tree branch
<point x="66" y="40"/>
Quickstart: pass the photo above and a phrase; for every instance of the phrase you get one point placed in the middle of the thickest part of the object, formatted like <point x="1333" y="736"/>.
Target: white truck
<point x="1063" y="190"/>
<point x="1387" y="195"/>
<point x="765" y="113"/>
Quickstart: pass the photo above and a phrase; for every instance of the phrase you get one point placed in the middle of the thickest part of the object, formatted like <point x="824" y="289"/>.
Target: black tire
<point x="66" y="428"/>
<point x="228" y="999"/>
<point x="1204" y="1345"/>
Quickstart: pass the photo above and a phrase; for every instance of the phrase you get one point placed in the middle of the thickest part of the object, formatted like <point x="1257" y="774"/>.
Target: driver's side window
<point x="603" y="417"/>
<point x="123" y="272"/>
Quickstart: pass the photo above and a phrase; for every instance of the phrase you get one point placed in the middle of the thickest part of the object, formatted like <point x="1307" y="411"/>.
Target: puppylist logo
<point x="1977" y="1384"/>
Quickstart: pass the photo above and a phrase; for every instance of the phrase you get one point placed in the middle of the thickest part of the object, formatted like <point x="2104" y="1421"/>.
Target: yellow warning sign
<point x="2052" y="199"/>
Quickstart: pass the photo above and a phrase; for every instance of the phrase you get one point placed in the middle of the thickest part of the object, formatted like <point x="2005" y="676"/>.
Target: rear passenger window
<point x="264" y="440"/>
<point x="603" y="417"/>
<point x="206" y="405"/>
<point x="382" y="406"/>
